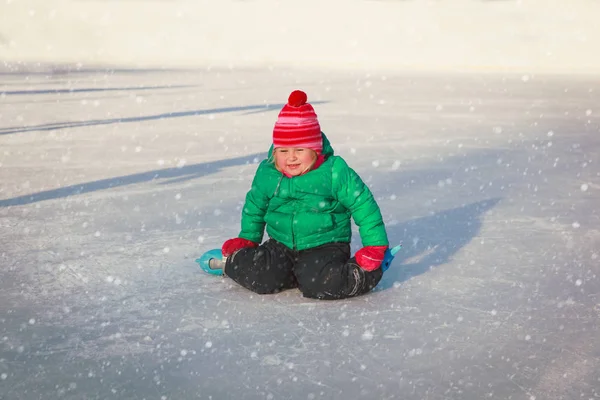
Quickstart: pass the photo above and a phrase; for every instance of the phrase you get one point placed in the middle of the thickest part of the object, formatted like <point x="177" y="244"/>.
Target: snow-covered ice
<point x="114" y="179"/>
<point x="495" y="293"/>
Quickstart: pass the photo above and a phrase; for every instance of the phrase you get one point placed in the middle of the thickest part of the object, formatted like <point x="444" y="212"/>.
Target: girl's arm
<point x="352" y="193"/>
<point x="253" y="213"/>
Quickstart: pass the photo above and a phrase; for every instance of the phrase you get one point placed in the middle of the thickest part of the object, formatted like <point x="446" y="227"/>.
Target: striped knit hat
<point x="297" y="125"/>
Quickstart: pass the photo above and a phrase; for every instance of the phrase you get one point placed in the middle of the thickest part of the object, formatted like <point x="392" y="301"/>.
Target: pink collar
<point x="320" y="160"/>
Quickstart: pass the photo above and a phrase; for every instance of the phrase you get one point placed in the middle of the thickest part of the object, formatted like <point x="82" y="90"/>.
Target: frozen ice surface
<point x="495" y="294"/>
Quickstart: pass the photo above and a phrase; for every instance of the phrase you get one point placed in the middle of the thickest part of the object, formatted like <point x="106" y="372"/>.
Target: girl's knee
<point x="261" y="270"/>
<point x="340" y="283"/>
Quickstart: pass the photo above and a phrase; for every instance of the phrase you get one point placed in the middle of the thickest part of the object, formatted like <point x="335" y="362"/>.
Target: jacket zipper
<point x="277" y="187"/>
<point x="293" y="215"/>
<point x="293" y="234"/>
<point x="293" y="225"/>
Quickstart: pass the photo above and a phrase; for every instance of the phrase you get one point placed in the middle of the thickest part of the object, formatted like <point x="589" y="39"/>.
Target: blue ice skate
<point x="389" y="257"/>
<point x="216" y="256"/>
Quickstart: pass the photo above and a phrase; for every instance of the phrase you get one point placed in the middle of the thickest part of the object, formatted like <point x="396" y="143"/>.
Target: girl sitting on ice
<point x="305" y="196"/>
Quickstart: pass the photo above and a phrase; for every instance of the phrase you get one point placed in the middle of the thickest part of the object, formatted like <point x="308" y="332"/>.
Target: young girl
<point x="305" y="196"/>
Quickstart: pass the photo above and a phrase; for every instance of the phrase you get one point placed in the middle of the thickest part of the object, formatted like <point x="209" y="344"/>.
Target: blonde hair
<point x="314" y="154"/>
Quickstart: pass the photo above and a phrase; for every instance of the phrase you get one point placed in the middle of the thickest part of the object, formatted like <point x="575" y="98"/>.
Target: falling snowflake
<point x="367" y="335"/>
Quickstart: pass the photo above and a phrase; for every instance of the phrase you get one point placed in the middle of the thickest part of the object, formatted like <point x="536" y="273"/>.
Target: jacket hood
<point x="327" y="149"/>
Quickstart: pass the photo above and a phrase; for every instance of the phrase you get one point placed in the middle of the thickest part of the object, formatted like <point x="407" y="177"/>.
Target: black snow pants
<point x="326" y="272"/>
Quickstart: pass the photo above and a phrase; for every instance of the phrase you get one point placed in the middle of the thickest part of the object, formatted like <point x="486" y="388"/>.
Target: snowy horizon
<point x="520" y="36"/>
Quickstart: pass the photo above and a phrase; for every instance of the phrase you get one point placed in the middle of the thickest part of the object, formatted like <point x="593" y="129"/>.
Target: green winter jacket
<point x="311" y="209"/>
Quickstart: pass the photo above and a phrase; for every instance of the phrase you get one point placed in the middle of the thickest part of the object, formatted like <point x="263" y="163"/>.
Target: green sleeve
<point x="253" y="213"/>
<point x="352" y="193"/>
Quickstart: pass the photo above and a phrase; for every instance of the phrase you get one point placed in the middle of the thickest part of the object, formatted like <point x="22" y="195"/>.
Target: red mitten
<point x="232" y="245"/>
<point x="370" y="258"/>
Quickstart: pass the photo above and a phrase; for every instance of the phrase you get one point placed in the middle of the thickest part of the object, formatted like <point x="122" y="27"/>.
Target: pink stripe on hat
<point x="297" y="125"/>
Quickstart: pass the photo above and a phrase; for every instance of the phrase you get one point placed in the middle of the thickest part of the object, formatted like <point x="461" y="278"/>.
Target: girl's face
<point x="294" y="161"/>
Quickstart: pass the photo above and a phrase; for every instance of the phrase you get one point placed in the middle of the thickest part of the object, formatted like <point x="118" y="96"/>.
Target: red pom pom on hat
<point x="297" y="98"/>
